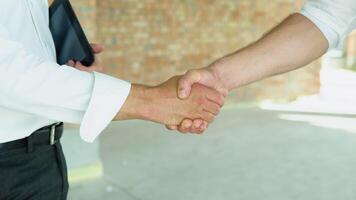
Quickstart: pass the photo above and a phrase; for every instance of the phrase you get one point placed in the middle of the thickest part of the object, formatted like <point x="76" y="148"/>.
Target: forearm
<point x="292" y="44"/>
<point x="135" y="105"/>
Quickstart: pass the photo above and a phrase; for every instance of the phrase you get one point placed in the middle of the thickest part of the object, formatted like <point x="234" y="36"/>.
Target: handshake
<point x="185" y="103"/>
<point x="192" y="111"/>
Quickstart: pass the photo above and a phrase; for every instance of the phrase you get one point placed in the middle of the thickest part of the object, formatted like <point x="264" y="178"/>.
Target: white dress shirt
<point x="335" y="18"/>
<point x="35" y="91"/>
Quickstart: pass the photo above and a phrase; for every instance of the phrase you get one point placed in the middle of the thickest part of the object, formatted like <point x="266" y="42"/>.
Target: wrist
<point x="217" y="68"/>
<point x="133" y="108"/>
<point x="141" y="104"/>
<point x="230" y="71"/>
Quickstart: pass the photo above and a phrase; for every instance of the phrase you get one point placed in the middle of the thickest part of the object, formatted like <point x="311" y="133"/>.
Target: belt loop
<point x="30" y="143"/>
<point x="52" y="134"/>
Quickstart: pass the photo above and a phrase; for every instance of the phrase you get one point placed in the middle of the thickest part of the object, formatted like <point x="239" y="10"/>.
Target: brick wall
<point x="149" y="41"/>
<point x="87" y="11"/>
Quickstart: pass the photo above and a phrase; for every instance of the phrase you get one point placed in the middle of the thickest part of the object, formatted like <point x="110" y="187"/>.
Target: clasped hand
<point x="204" y="76"/>
<point x="203" y="104"/>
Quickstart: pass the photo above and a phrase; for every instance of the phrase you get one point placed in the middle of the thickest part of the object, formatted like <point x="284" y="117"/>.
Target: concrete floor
<point x="247" y="154"/>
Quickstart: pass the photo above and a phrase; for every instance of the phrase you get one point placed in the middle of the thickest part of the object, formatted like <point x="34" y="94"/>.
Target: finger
<point x="211" y="107"/>
<point x="200" y="131"/>
<point x="81" y="67"/>
<point x="196" y="126"/>
<point x="185" y="126"/>
<point x="70" y="63"/>
<point x="208" y="116"/>
<point x="197" y="123"/>
<point x="203" y="127"/>
<point x="186" y="82"/>
<point x="218" y="86"/>
<point x="172" y="127"/>
<point x="97" y="48"/>
<point x="216" y="97"/>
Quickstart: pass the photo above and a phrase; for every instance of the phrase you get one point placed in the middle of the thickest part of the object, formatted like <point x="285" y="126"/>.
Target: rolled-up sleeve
<point x="33" y="85"/>
<point x="335" y="18"/>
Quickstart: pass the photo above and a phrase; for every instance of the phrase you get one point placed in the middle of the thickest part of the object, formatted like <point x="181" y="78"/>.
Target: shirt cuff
<point x="108" y="96"/>
<point x="319" y="18"/>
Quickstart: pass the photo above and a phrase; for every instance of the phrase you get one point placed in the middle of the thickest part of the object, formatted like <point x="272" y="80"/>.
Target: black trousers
<point x="33" y="173"/>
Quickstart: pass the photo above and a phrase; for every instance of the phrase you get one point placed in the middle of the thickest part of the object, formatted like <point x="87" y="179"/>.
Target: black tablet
<point x="69" y="38"/>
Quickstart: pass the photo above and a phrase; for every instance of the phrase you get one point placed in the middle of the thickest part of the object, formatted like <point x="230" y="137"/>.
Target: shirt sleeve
<point x="335" y="18"/>
<point x="40" y="87"/>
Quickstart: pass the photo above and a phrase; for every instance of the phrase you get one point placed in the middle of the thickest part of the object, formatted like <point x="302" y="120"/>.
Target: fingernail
<point x="181" y="92"/>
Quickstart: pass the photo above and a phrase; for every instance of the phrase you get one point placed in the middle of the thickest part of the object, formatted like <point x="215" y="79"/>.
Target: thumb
<point x="185" y="83"/>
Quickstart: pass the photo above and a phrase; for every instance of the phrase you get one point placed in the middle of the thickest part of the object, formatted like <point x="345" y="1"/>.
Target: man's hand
<point x="292" y="44"/>
<point x="96" y="66"/>
<point x="204" y="76"/>
<point x="161" y="103"/>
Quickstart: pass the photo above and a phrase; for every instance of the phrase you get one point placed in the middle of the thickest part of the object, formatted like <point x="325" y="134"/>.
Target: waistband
<point x="47" y="135"/>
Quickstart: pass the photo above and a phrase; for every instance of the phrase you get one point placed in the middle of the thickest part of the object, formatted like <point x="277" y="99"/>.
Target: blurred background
<point x="288" y="137"/>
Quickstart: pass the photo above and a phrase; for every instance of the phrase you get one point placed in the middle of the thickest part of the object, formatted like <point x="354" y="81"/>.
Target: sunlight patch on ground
<point x="334" y="122"/>
<point x="312" y="104"/>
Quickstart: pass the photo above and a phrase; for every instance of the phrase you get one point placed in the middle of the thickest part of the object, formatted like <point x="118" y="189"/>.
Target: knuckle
<point x="200" y="101"/>
<point x="218" y="108"/>
<point x="222" y="101"/>
<point x="182" y="79"/>
<point x="193" y="73"/>
<point x="199" y="114"/>
<point x="209" y="117"/>
<point x="219" y="99"/>
<point x="186" y="123"/>
<point x="190" y="72"/>
<point x="216" y="111"/>
<point x="197" y="123"/>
